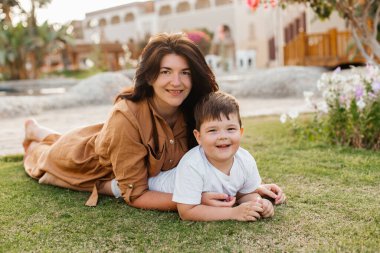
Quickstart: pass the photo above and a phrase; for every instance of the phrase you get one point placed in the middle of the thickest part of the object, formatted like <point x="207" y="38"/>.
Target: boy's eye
<point x="211" y="130"/>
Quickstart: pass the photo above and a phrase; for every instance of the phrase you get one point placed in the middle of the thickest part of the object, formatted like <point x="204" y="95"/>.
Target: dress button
<point x="130" y="186"/>
<point x="171" y="141"/>
<point x="170" y="161"/>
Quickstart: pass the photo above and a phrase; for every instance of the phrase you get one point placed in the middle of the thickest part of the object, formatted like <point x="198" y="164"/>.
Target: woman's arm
<point x="155" y="200"/>
<point x="217" y="199"/>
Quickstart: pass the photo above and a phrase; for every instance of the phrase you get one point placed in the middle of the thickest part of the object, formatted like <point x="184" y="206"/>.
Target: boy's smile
<point x="220" y="139"/>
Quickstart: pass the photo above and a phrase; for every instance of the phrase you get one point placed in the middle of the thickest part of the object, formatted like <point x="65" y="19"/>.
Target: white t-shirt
<point x="163" y="182"/>
<point x="195" y="174"/>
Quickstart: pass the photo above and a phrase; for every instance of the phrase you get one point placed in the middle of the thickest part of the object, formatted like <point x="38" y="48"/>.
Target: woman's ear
<point x="197" y="136"/>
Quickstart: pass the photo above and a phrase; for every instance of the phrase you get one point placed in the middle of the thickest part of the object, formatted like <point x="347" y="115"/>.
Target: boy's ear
<point x="197" y="136"/>
<point x="241" y="131"/>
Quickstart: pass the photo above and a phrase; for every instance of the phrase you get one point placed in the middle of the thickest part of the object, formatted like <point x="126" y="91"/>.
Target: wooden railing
<point x="329" y="49"/>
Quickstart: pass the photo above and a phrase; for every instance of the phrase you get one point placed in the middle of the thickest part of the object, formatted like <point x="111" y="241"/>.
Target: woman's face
<point x="173" y="83"/>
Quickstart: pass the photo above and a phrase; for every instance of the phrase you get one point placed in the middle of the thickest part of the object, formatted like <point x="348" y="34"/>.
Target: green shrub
<point x="349" y="114"/>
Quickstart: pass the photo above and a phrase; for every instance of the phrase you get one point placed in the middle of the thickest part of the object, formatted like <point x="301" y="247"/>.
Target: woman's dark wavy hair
<point x="202" y="78"/>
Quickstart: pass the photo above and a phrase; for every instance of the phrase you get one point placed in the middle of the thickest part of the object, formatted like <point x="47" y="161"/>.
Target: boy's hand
<point x="268" y="209"/>
<point x="247" y="211"/>
<point x="217" y="199"/>
<point x="272" y="191"/>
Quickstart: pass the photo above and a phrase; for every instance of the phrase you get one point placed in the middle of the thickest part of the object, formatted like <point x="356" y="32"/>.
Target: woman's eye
<point x="164" y="72"/>
<point x="186" y="73"/>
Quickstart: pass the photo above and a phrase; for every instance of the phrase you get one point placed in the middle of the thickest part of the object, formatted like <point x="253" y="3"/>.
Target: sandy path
<point x="12" y="130"/>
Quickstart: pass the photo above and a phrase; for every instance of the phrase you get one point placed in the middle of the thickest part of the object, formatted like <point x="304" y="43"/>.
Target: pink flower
<point x="253" y="3"/>
<point x="337" y="70"/>
<point x="359" y="91"/>
<point x="198" y="36"/>
<point x="342" y="99"/>
<point x="376" y="86"/>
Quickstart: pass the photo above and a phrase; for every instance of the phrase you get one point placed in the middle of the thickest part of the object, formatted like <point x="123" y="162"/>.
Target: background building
<point x="263" y="31"/>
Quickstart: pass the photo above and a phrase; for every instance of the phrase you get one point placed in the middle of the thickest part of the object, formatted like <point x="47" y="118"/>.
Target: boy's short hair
<point x="213" y="105"/>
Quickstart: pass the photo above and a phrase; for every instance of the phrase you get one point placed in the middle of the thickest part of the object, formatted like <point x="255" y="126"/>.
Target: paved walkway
<point x="12" y="130"/>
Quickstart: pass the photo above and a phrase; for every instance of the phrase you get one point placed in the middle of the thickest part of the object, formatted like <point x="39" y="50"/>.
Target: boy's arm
<point x="272" y="191"/>
<point x="248" y="211"/>
<point x="241" y="197"/>
<point x="268" y="209"/>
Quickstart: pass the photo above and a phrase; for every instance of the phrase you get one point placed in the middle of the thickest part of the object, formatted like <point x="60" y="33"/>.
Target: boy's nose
<point x="222" y="137"/>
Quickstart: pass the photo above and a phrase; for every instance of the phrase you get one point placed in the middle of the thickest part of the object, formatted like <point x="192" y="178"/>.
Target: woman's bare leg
<point x="105" y="188"/>
<point x="34" y="133"/>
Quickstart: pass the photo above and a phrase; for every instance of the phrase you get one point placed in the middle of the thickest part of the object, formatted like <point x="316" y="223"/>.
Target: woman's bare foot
<point x="29" y="125"/>
<point x="34" y="133"/>
<point x="32" y="129"/>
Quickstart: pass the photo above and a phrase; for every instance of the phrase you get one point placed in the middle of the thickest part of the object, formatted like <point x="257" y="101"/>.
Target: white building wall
<point x="250" y="29"/>
<point x="319" y="26"/>
<point x="199" y="19"/>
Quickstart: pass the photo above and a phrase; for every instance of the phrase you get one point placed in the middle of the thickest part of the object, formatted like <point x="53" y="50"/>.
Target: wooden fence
<point x="329" y="49"/>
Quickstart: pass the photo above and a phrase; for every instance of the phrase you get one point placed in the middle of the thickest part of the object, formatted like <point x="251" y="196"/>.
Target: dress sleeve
<point x="127" y="154"/>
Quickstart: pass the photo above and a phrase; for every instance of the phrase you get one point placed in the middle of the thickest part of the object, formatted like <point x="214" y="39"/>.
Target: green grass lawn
<point x="333" y="206"/>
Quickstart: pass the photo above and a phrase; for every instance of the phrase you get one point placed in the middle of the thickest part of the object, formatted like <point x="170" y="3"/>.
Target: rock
<point x="98" y="89"/>
<point x="279" y="82"/>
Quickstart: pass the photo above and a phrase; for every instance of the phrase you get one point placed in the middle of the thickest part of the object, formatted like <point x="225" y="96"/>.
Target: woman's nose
<point x="176" y="79"/>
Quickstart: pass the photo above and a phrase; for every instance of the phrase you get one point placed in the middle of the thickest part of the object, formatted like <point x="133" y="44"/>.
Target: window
<point x="202" y="4"/>
<point x="129" y="17"/>
<point x="183" y="7"/>
<point x="272" y="49"/>
<point x="165" y="10"/>
<point x="222" y="2"/>
<point x="148" y="7"/>
<point x="102" y="22"/>
<point x="115" y="20"/>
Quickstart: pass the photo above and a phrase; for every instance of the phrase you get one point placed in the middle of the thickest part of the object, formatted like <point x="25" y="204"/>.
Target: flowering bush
<point x="202" y="39"/>
<point x="350" y="111"/>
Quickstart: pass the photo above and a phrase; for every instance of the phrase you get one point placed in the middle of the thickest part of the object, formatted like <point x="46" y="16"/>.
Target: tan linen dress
<point x="122" y="148"/>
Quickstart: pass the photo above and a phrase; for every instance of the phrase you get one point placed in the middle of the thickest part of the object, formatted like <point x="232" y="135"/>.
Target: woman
<point x="148" y="131"/>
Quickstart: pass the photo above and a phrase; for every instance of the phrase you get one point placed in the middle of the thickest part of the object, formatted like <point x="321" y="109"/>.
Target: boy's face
<point x="220" y="139"/>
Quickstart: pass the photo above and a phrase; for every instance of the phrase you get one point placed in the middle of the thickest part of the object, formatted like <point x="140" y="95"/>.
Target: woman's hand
<point x="217" y="199"/>
<point x="272" y="191"/>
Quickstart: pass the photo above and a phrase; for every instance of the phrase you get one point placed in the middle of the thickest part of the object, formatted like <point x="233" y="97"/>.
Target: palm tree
<point x="13" y="52"/>
<point x="5" y="7"/>
<point x="27" y="43"/>
<point x="48" y="40"/>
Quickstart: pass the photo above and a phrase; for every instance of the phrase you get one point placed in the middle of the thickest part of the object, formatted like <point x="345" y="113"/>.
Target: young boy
<point x="219" y="164"/>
